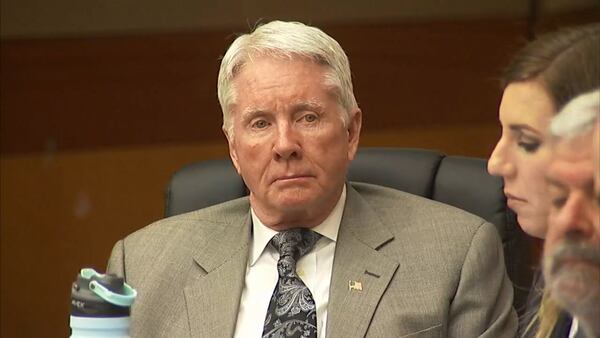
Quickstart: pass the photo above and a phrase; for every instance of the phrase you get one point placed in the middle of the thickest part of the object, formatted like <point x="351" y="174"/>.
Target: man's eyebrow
<point x="586" y="185"/>
<point x="553" y="182"/>
<point x="251" y="112"/>
<point x="521" y="127"/>
<point x="310" y="106"/>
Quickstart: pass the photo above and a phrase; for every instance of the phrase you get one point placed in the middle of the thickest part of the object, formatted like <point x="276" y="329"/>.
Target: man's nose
<point x="498" y="165"/>
<point x="287" y="142"/>
<point x="576" y="216"/>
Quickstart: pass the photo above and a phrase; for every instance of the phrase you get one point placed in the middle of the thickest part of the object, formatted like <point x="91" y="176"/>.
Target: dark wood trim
<point x="65" y="94"/>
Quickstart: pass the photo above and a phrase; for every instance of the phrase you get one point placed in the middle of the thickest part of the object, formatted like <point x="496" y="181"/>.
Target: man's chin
<point x="295" y="200"/>
<point x="576" y="288"/>
<point x="296" y="197"/>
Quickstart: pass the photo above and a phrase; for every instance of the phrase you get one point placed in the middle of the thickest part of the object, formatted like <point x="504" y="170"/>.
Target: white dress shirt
<point x="574" y="328"/>
<point x="314" y="269"/>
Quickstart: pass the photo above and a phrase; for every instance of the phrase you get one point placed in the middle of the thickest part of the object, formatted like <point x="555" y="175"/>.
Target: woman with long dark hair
<point x="541" y="78"/>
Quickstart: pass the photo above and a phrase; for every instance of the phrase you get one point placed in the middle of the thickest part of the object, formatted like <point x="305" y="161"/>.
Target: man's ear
<point x="232" y="150"/>
<point x="354" y="127"/>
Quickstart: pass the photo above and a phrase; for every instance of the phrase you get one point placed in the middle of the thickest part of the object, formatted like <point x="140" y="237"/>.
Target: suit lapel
<point x="212" y="299"/>
<point x="357" y="260"/>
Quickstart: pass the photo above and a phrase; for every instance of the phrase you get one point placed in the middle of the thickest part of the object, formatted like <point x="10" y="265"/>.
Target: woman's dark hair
<point x="566" y="63"/>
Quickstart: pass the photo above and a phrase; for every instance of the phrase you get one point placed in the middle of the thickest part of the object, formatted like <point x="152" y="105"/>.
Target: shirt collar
<point x="261" y="234"/>
<point x="574" y="328"/>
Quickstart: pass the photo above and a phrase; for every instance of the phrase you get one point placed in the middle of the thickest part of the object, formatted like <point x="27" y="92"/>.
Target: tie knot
<point x="294" y="243"/>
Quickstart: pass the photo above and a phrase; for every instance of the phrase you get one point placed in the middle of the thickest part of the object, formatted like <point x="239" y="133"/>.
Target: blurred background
<point x="101" y="101"/>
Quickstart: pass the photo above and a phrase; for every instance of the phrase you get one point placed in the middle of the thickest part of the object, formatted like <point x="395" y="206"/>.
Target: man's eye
<point x="310" y="118"/>
<point x="530" y="147"/>
<point x="260" y="124"/>
<point x="558" y="202"/>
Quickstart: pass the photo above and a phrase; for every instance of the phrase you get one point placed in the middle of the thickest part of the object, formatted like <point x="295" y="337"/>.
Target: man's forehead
<point x="576" y="148"/>
<point x="571" y="166"/>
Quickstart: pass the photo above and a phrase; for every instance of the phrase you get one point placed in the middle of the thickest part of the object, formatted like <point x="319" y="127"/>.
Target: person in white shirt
<point x="308" y="254"/>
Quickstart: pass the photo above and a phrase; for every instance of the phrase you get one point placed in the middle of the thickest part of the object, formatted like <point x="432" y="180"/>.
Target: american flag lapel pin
<point x="354" y="285"/>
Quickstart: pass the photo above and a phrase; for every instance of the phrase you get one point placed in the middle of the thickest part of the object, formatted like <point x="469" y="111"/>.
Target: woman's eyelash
<point x="529" y="146"/>
<point x="528" y="143"/>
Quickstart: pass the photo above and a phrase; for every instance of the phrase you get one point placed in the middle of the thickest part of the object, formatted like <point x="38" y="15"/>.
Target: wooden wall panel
<point x="78" y="94"/>
<point x="67" y="94"/>
<point x="92" y="129"/>
<point x="64" y="211"/>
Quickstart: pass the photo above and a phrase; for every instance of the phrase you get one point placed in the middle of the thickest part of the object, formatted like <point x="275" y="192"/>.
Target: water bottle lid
<point x="100" y="295"/>
<point x="125" y="299"/>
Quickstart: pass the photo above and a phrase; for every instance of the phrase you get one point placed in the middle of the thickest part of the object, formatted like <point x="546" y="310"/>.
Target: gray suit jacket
<point x="427" y="270"/>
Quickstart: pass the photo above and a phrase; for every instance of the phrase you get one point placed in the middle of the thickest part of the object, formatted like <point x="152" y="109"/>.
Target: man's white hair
<point x="578" y="116"/>
<point x="286" y="40"/>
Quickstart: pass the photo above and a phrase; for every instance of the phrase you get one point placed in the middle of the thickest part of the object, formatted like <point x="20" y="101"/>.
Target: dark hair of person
<point x="565" y="62"/>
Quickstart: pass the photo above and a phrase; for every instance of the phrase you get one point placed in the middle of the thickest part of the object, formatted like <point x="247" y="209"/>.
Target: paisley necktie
<point x="292" y="311"/>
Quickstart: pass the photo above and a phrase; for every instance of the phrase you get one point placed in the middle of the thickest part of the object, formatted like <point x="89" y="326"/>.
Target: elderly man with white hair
<point x="572" y="247"/>
<point x="308" y="254"/>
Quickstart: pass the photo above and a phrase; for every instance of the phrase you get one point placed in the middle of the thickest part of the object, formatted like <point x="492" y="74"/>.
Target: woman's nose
<point x="498" y="164"/>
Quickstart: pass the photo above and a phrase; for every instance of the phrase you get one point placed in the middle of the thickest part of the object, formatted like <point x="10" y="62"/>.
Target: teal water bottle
<point x="100" y="305"/>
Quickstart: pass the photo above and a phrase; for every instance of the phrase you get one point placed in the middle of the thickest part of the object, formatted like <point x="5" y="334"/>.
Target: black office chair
<point x="459" y="181"/>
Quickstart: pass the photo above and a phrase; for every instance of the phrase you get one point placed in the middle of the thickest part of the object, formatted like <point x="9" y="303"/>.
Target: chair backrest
<point x="459" y="181"/>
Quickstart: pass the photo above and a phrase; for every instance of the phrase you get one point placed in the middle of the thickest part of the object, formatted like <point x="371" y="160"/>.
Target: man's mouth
<point x="293" y="177"/>
<point x="574" y="255"/>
